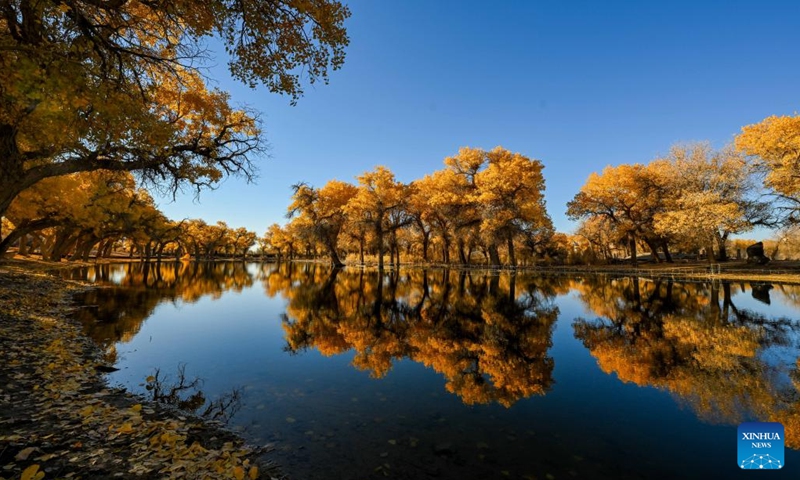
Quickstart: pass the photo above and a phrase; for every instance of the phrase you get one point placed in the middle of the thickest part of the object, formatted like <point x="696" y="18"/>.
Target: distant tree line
<point x="483" y="207"/>
<point x="101" y="213"/>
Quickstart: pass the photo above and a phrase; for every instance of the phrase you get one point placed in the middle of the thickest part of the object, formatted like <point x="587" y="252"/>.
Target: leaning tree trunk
<point x="336" y="262"/>
<point x="65" y="248"/>
<point x="653" y="250"/>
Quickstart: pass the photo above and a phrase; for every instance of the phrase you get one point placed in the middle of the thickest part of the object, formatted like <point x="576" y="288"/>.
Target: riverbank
<point x="782" y="271"/>
<point x="59" y="419"/>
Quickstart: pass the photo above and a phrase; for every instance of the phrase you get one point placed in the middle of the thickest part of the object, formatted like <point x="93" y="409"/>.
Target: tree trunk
<point x="36" y="244"/>
<point x="23" y="245"/>
<point x="379" y="240"/>
<point x="12" y="237"/>
<point x="710" y="253"/>
<point x="426" y="239"/>
<point x="334" y="255"/>
<point x="23" y="229"/>
<point x="653" y="250"/>
<point x="460" y="247"/>
<point x="665" y="249"/>
<point x="512" y="259"/>
<point x="64" y="242"/>
<point x="494" y="257"/>
<point x="721" y="241"/>
<point x="634" y="258"/>
<point x="109" y="248"/>
<point x="392" y="248"/>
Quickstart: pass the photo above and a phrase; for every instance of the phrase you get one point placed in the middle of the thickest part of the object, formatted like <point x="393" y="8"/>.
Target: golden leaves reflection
<point x="692" y="340"/>
<point x="488" y="335"/>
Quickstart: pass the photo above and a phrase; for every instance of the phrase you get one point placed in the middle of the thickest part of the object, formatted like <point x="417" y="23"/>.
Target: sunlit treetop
<point x="776" y="142"/>
<point x="275" y="43"/>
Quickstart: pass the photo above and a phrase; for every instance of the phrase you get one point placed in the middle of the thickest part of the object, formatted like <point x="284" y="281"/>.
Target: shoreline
<point x="779" y="271"/>
<point x="59" y="418"/>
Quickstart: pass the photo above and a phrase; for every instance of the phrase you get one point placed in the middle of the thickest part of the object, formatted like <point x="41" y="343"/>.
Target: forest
<point x="104" y="103"/>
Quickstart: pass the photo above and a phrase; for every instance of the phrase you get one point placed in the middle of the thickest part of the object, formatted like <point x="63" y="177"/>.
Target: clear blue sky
<point x="578" y="85"/>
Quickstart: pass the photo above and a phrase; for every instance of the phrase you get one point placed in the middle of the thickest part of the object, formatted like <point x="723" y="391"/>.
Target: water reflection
<point x="691" y="340"/>
<point x="714" y="347"/>
<point x="488" y="335"/>
<point x="132" y="291"/>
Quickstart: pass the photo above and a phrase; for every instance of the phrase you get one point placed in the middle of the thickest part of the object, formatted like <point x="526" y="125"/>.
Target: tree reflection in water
<point x="116" y="312"/>
<point x="691" y="340"/>
<point x="487" y="334"/>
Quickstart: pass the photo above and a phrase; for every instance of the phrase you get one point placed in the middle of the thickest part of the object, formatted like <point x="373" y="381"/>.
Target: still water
<point x="465" y="375"/>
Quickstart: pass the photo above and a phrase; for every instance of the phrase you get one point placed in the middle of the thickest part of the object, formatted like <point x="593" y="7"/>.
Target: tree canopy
<point x="775" y="145"/>
<point x="117" y="85"/>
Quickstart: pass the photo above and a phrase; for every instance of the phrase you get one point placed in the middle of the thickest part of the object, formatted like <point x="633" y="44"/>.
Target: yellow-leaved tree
<point x="321" y="212"/>
<point x="708" y="196"/>
<point x="90" y="85"/>
<point x="775" y="142"/>
<point x="379" y="204"/>
<point x="510" y="194"/>
<point x="628" y="197"/>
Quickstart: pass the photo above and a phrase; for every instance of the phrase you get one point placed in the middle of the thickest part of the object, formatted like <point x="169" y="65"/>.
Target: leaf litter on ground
<point x="59" y="419"/>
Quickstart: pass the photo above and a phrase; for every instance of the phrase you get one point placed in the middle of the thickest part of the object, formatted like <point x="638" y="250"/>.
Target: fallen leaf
<point x="238" y="473"/>
<point x="24" y="454"/>
<point x="32" y="473"/>
<point x="126" y="427"/>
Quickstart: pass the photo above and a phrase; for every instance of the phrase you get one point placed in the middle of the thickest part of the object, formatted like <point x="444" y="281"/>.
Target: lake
<point x="449" y="374"/>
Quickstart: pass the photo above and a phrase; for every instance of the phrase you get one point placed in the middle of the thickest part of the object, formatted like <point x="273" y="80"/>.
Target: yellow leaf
<point x="32" y="473"/>
<point x="150" y="379"/>
<point x="125" y="428"/>
<point x="137" y="407"/>
<point x="238" y="473"/>
<point x="86" y="411"/>
<point x="253" y="473"/>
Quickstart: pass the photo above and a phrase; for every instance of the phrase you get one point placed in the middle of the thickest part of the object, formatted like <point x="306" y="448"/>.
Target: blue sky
<point x="578" y="85"/>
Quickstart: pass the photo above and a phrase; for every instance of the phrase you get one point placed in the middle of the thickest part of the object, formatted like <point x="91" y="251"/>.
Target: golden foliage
<point x="489" y="340"/>
<point x="776" y="143"/>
